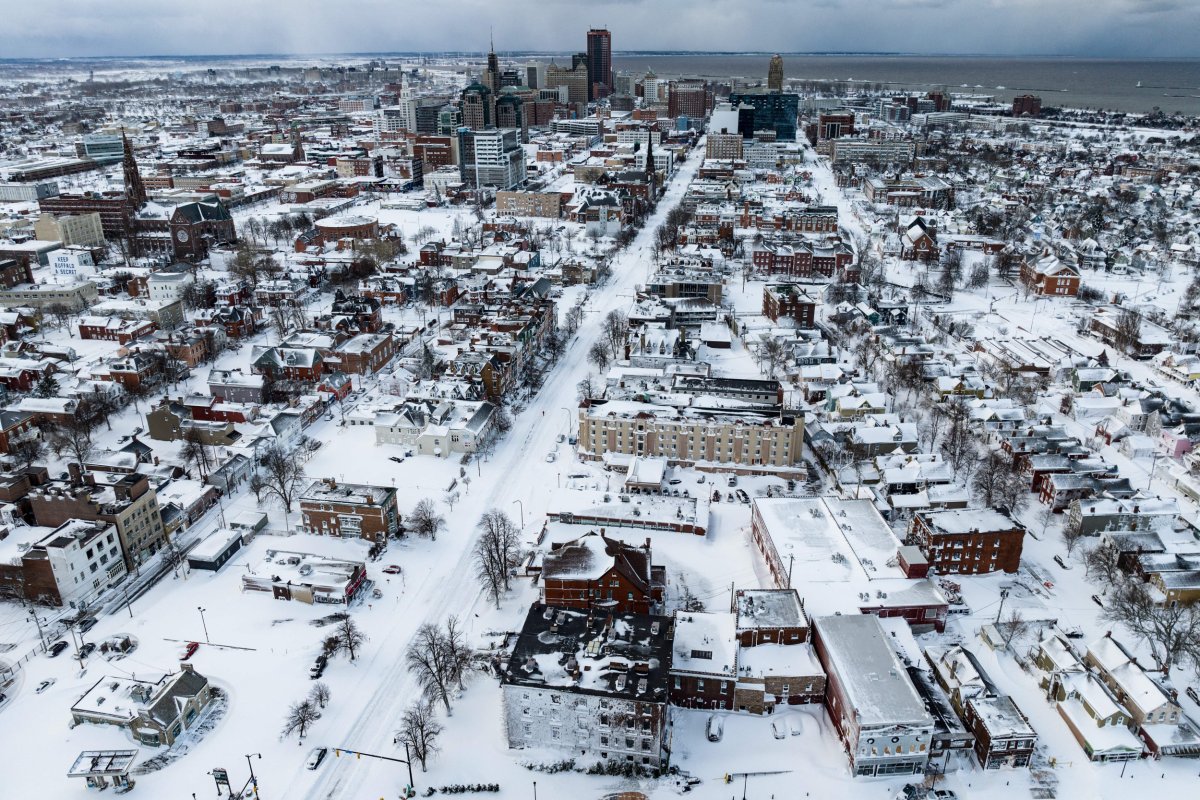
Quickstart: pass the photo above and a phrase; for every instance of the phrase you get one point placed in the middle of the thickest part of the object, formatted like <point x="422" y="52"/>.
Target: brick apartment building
<point x="359" y="510"/>
<point x="790" y="300"/>
<point x="968" y="541"/>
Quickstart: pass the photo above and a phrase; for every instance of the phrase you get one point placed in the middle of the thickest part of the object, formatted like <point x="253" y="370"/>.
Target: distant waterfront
<point x="1074" y="82"/>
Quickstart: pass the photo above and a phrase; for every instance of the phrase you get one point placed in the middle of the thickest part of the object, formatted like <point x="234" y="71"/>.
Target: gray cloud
<point x="1100" y="28"/>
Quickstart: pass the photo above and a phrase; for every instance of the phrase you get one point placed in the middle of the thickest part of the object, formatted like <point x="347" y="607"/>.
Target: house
<point x="355" y="510"/>
<point x="877" y="712"/>
<point x="154" y="712"/>
<point x="365" y="354"/>
<point x="597" y="572"/>
<point x="1146" y="701"/>
<point x="968" y="541"/>
<point x="591" y="684"/>
<point x="70" y="567"/>
<point x="918" y="242"/>
<point x="1003" y="735"/>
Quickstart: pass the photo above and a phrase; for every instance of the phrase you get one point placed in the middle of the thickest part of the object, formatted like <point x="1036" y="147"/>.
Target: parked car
<point x="3" y="697"/>
<point x="391" y="569"/>
<point x="562" y="437"/>
<point x="675" y="481"/>
<point x="87" y="649"/>
<point x="57" y="648"/>
<point x="551" y="456"/>
<point x="43" y="686"/>
<point x="778" y="729"/>
<point x="87" y="624"/>
<point x="190" y="650"/>
<point x="318" y="667"/>
<point x="316" y="757"/>
<point x="1096" y="599"/>
<point x="1192" y="693"/>
<point x="397" y="459"/>
<point x="1059" y="560"/>
<point x="731" y="480"/>
<point x="714" y="728"/>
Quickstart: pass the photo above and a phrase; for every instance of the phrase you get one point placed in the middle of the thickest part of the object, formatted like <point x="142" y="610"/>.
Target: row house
<point x="802" y="259"/>
<point x="365" y="354"/>
<point x="238" y="321"/>
<point x="115" y="329"/>
<point x="1003" y="735"/>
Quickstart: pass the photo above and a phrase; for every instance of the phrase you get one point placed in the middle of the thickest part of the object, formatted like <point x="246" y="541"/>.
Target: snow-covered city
<point x="521" y="424"/>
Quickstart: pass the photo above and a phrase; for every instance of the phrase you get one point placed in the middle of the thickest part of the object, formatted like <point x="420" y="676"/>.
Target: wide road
<point x="517" y="471"/>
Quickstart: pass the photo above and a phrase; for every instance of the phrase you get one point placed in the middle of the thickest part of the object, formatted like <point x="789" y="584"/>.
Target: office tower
<point x="599" y="63"/>
<point x="478" y="106"/>
<point x="575" y="79"/>
<point x="775" y="111"/>
<point x="775" y="74"/>
<point x="491" y="158"/>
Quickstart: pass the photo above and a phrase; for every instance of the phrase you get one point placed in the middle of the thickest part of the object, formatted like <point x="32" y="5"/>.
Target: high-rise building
<point x="491" y="75"/>
<point x="688" y="98"/>
<point x="773" y="111"/>
<point x="599" y="63"/>
<point x="535" y="75"/>
<point x="491" y="158"/>
<point x="775" y="74"/>
<point x="575" y="79"/>
<point x="478" y="106"/>
<point x="510" y="113"/>
<point x="624" y="83"/>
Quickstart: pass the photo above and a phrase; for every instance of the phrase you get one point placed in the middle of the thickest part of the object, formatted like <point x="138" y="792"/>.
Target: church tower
<point x="135" y="191"/>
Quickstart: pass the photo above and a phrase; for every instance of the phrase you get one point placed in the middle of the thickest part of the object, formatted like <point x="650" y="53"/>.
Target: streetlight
<point x="521" y="508"/>
<point x="253" y="777"/>
<point x="205" y="624"/>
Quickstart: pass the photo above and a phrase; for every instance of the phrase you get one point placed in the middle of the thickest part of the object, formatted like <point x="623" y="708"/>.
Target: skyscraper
<point x="135" y="190"/>
<point x="775" y="74"/>
<point x="599" y="63"/>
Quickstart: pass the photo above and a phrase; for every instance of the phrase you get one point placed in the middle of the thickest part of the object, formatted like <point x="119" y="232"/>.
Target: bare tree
<point x="347" y="638"/>
<point x="419" y="730"/>
<point x="1012" y="627"/>
<point x="281" y="474"/>
<point x="772" y="353"/>
<point x="497" y="552"/>
<point x="958" y="445"/>
<point x="616" y="331"/>
<point x="26" y="451"/>
<point x="1170" y="630"/>
<point x="1072" y="534"/>
<point x="1102" y="563"/>
<point x="73" y="437"/>
<point x="598" y="356"/>
<point x="196" y="452"/>
<point x="424" y="519"/>
<point x="428" y="658"/>
<point x="1128" y="332"/>
<point x="319" y="694"/>
<point x="300" y="718"/>
<point x="458" y="652"/>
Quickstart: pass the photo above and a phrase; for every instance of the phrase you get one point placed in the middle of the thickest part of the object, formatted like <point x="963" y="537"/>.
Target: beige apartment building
<point x="73" y="230"/>
<point x="724" y="146"/>
<point x="757" y="442"/>
<point x="529" y="204"/>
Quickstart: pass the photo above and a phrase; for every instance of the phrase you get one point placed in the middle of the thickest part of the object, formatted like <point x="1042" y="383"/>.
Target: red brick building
<point x="789" y="300"/>
<point x="1049" y="276"/>
<point x="354" y="510"/>
<point x="968" y="541"/>
<point x="594" y="571"/>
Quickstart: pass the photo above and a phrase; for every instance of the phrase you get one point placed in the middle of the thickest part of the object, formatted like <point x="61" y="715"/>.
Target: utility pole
<point x="999" y="611"/>
<point x="791" y="561"/>
<point x="38" y="622"/>
<point x="253" y="777"/>
<point x="205" y="624"/>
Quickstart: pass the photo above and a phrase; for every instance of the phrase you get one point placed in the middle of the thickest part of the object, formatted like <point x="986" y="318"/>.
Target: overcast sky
<point x="1101" y="28"/>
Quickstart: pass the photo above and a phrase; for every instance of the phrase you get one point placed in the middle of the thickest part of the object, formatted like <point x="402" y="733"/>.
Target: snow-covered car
<point x="1059" y="560"/>
<point x="397" y="459"/>
<point x="43" y="686"/>
<point x="714" y="728"/>
<point x="316" y="757"/>
<point x="551" y="456"/>
<point x="391" y="569"/>
<point x="190" y="650"/>
<point x="562" y="437"/>
<point x="778" y="730"/>
<point x="87" y="624"/>
<point x="1192" y="693"/>
<point x="57" y="648"/>
<point x="795" y="726"/>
